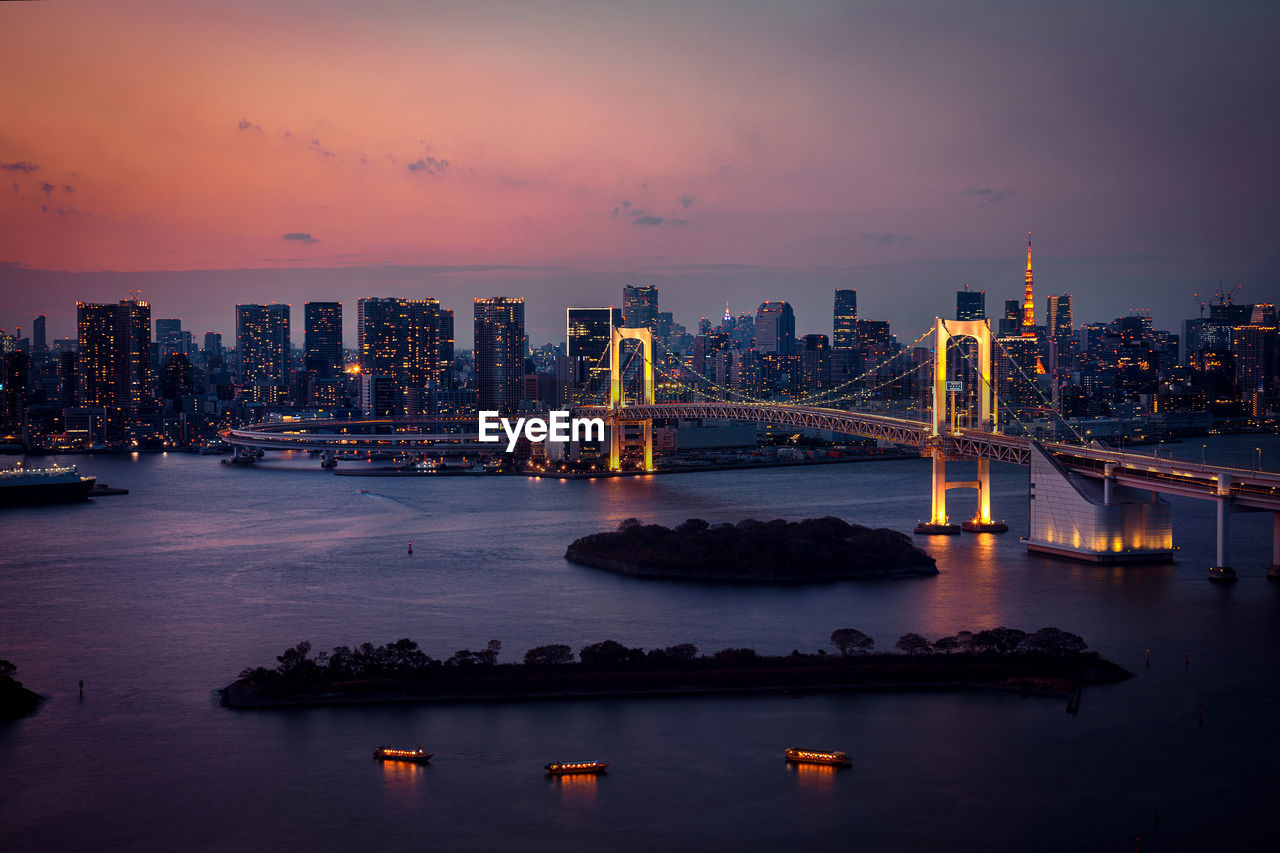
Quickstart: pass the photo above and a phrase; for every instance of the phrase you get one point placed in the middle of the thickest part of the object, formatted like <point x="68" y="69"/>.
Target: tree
<point x="608" y="654"/>
<point x="692" y="525"/>
<point x="7" y="670"/>
<point x="965" y="639"/>
<point x="736" y="657"/>
<point x="851" y="641"/>
<point x="555" y="654"/>
<point x="294" y="663"/>
<point x="1057" y="642"/>
<point x="946" y="645"/>
<point x="627" y="524"/>
<point x="1007" y="639"/>
<point x="914" y="644"/>
<point x="682" y="653"/>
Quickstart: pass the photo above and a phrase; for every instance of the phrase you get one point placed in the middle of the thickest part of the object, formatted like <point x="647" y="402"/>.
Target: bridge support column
<point x="1221" y="571"/>
<point x="1273" y="573"/>
<point x="982" y="522"/>
<point x="937" y="523"/>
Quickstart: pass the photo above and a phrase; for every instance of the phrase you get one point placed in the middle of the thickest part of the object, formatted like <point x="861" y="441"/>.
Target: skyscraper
<point x="1061" y="318"/>
<point x="971" y="304"/>
<point x="588" y="335"/>
<point x="499" y="353"/>
<point x="815" y="363"/>
<point x="262" y="344"/>
<point x="640" y="306"/>
<point x="410" y="341"/>
<point x="322" y="344"/>
<point x="38" y="341"/>
<point x="845" y="321"/>
<point x="1029" y="299"/>
<point x="114" y="358"/>
<point x="775" y="328"/>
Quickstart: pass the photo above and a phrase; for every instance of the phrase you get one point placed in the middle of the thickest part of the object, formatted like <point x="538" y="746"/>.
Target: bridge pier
<point x="1273" y="573"/>
<point x="982" y="522"/>
<point x="1221" y="571"/>
<point x="938" y="523"/>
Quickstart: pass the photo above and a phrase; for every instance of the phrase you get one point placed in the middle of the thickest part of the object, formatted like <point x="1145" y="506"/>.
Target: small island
<point x="809" y="551"/>
<point x="16" y="701"/>
<point x="1049" y="662"/>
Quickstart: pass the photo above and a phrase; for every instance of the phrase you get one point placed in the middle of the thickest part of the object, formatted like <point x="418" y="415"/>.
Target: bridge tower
<point x="944" y="332"/>
<point x="623" y="434"/>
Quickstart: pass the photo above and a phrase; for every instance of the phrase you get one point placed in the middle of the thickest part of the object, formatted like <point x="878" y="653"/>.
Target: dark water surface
<point x="158" y="597"/>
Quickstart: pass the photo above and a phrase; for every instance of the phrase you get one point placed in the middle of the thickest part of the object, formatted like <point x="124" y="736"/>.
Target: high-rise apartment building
<point x="971" y="304"/>
<point x="114" y="358"/>
<point x="499" y="353"/>
<point x="640" y="306"/>
<point x="322" y="342"/>
<point x="262" y="345"/>
<point x="775" y="328"/>
<point x="409" y="341"/>
<point x="845" y="321"/>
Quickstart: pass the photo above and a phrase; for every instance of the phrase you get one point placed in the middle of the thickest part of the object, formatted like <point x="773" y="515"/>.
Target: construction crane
<point x="1222" y="295"/>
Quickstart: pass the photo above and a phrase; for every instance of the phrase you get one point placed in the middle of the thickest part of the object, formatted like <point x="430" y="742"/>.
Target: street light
<point x="1202" y="454"/>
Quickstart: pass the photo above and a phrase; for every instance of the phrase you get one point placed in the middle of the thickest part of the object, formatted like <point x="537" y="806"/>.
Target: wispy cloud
<point x="646" y="219"/>
<point x="879" y="239"/>
<point x="300" y="237"/>
<point x="687" y="200"/>
<point x="430" y="165"/>
<point x="245" y="124"/>
<point x="986" y="195"/>
<point x="20" y="166"/>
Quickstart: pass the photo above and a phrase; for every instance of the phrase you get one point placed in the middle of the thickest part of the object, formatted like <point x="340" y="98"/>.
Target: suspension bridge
<point x="1086" y="501"/>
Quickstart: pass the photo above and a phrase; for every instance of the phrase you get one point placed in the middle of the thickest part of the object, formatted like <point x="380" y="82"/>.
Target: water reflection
<point x="577" y="789"/>
<point x="402" y="777"/>
<point x="816" y="777"/>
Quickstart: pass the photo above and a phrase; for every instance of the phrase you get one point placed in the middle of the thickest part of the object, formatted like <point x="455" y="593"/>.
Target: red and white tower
<point x="1029" y="301"/>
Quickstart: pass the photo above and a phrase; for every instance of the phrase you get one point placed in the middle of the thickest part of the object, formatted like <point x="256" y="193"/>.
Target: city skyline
<point x="716" y="152"/>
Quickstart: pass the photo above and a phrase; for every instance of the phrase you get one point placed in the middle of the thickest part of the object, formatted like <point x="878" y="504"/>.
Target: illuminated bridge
<point x="1086" y="502"/>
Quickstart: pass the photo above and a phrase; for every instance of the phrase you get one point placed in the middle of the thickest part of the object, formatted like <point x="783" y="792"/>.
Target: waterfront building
<point x="408" y="341"/>
<point x="844" y="327"/>
<point x="114" y="357"/>
<point x="262" y="344"/>
<point x="499" y="353"/>
<point x="322" y="342"/>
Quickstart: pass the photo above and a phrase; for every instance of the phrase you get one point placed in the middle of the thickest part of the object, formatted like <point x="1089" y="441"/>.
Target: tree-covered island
<point x="813" y="550"/>
<point x="15" y="700"/>
<point x="1047" y="662"/>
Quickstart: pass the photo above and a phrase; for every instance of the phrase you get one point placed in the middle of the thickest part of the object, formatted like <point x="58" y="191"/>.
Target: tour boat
<point x="387" y="753"/>
<point x="818" y="756"/>
<point x="573" y="767"/>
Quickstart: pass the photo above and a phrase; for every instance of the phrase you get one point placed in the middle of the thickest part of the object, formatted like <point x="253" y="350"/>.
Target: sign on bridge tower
<point x="943" y="427"/>
<point x="626" y="435"/>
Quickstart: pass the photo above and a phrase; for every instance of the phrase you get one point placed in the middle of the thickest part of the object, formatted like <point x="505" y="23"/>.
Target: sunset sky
<point x="216" y="152"/>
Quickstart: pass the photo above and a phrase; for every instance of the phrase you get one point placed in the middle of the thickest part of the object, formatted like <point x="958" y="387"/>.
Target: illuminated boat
<point x="818" y="756"/>
<point x="575" y="767"/>
<point x="387" y="753"/>
<point x="56" y="484"/>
